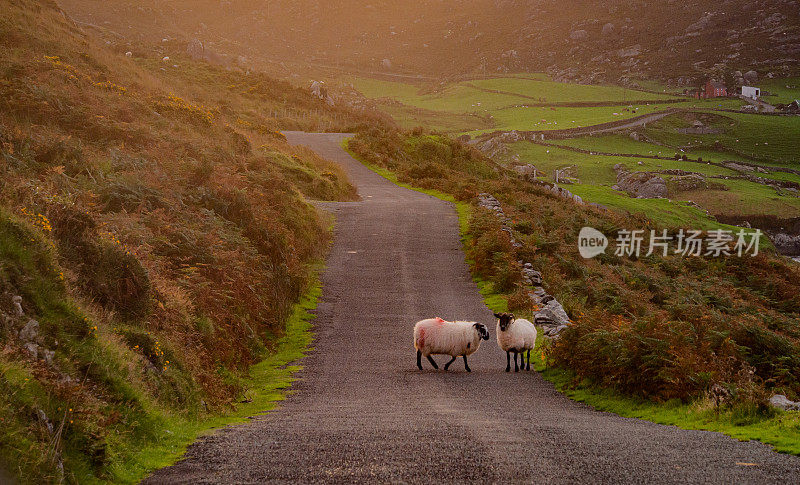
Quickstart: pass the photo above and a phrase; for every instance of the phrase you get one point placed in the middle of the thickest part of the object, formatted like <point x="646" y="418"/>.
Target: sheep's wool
<point x="520" y="335"/>
<point x="435" y="336"/>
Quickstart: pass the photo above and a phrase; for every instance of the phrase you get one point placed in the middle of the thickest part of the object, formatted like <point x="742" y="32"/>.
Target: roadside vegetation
<point x="719" y="335"/>
<point x="155" y="237"/>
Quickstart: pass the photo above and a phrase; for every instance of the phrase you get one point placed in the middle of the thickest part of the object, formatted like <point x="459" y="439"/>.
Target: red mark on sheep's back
<point x="439" y="321"/>
<point x="421" y="339"/>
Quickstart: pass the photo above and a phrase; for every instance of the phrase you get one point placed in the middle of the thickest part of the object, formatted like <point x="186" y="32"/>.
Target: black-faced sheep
<point x="515" y="335"/>
<point x="435" y="336"/>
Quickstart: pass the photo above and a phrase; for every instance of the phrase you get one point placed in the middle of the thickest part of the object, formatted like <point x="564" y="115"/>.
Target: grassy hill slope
<point x="155" y="234"/>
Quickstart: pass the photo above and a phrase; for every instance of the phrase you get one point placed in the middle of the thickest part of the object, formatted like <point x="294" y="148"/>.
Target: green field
<point x="515" y="103"/>
<point x="781" y="90"/>
<point x="596" y="176"/>
<point x="554" y="92"/>
<point x="533" y="102"/>
<point x="771" y="139"/>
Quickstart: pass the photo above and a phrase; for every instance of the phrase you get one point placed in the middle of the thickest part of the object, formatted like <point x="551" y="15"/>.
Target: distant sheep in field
<point x="515" y="335"/>
<point x="435" y="336"/>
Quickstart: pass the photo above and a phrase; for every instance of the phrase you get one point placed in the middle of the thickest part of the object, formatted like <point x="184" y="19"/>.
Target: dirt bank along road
<point x="362" y="412"/>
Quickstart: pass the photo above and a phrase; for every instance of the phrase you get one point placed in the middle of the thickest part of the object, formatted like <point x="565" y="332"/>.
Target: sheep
<point x="515" y="335"/>
<point x="435" y="336"/>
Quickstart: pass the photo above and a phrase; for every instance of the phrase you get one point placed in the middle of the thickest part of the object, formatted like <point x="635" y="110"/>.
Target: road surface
<point x="362" y="412"/>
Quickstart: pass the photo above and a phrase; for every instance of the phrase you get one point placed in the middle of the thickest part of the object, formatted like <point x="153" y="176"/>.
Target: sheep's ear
<point x="496" y="315"/>
<point x="512" y="316"/>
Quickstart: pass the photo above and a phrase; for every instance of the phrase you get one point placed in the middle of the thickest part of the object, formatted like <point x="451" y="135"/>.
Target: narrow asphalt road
<point x="362" y="412"/>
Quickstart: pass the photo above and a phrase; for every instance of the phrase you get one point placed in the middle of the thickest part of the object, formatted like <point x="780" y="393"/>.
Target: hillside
<point x="589" y="41"/>
<point x="155" y="235"/>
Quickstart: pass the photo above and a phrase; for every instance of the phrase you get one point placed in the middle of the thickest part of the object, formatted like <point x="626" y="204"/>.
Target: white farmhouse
<point x="751" y="92"/>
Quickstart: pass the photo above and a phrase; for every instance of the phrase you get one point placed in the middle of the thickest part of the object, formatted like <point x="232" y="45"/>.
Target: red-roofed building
<point x="712" y="89"/>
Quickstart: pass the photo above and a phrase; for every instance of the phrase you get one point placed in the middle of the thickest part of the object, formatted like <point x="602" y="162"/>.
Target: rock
<point x="738" y="167"/>
<point x="30" y="332"/>
<point x="645" y="185"/>
<point x="386" y="63"/>
<point x="48" y="356"/>
<point x="318" y="90"/>
<point x="578" y="34"/>
<point x="45" y="421"/>
<point x="511" y="136"/>
<point x="751" y="76"/>
<point x="634" y="136"/>
<point x="608" y="29"/>
<point x="552" y="314"/>
<point x="531" y="275"/>
<point x="493" y="147"/>
<point x="689" y="182"/>
<point x="488" y="201"/>
<point x="32" y="349"/>
<point x="782" y="402"/>
<point x="785" y="243"/>
<point x="129" y="54"/>
<point x="527" y="171"/>
<point x="17" y="301"/>
<point x="195" y="49"/>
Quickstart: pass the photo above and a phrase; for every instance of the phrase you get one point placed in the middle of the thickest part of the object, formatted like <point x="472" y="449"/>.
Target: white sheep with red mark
<point x="515" y="335"/>
<point x="434" y="336"/>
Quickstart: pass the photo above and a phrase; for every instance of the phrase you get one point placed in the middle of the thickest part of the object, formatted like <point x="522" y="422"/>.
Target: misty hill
<point x="589" y="41"/>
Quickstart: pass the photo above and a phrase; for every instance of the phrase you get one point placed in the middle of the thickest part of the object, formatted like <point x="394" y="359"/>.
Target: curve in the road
<point x="362" y="412"/>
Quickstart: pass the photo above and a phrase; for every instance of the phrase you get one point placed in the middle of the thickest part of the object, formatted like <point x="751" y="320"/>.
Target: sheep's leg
<point x="433" y="362"/>
<point x="508" y="361"/>
<point x="448" y="364"/>
<point x="466" y="366"/>
<point x="516" y="367"/>
<point x="419" y="359"/>
<point x="528" y="367"/>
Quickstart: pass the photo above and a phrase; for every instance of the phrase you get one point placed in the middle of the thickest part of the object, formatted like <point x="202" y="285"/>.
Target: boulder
<point x="32" y="349"/>
<point x="785" y="243"/>
<point x="386" y="63"/>
<point x="30" y="332"/>
<point x="527" y="171"/>
<point x="552" y="314"/>
<point x="17" y="301"/>
<point x="643" y="185"/>
<point x="493" y="147"/>
<point x="782" y="402"/>
<point x="608" y="29"/>
<point x="751" y="76"/>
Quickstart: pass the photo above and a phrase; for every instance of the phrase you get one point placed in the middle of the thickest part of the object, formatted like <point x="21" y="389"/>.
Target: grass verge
<point x="781" y="430"/>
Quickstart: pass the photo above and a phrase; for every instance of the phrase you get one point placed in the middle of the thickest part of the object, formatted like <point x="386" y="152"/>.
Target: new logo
<point x="591" y="242"/>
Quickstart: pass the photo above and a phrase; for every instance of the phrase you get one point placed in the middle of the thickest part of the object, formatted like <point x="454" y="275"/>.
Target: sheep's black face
<point x="483" y="332"/>
<point x="504" y="319"/>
